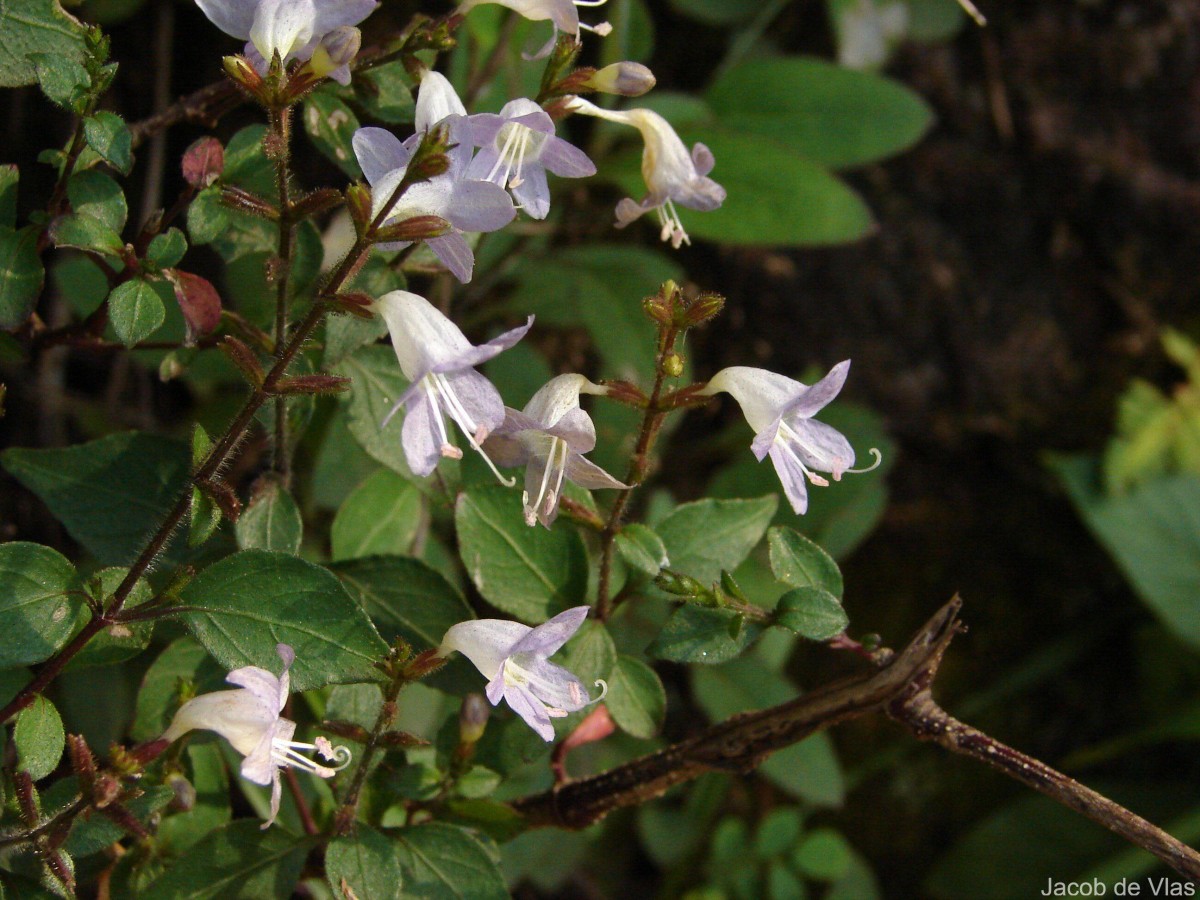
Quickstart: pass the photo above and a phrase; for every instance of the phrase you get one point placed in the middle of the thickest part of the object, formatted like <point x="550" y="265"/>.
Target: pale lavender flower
<point x="292" y="28"/>
<point x="672" y="175"/>
<point x="439" y="362"/>
<point x="513" y="657"/>
<point x="517" y="147"/>
<point x="780" y="411"/>
<point x="549" y="438"/>
<point x="468" y="205"/>
<point x="563" y="14"/>
<point x="249" y="718"/>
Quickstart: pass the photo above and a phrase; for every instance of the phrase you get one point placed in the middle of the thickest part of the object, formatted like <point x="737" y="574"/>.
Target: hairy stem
<point x="639" y="464"/>
<point x="348" y="811"/>
<point x="280" y="135"/>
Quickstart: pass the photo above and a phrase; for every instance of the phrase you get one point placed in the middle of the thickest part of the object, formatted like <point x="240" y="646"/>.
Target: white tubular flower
<point x="780" y="411"/>
<point x="672" y="175"/>
<point x="291" y="28"/>
<point x="513" y="657"/>
<point x="440" y="362"/>
<point x="867" y="32"/>
<point x="563" y="14"/>
<point x="549" y="438"/>
<point x="249" y="718"/>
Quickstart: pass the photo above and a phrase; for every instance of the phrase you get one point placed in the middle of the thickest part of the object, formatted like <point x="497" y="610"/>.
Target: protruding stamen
<point x="603" y="29"/>
<point x="874" y="451"/>
<point x="603" y="685"/>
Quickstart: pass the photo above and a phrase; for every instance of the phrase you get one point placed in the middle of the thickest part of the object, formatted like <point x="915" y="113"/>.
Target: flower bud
<point x="672" y="365"/>
<point x="705" y="307"/>
<point x="358" y="201"/>
<point x="627" y="79"/>
<point x="184" y="790"/>
<point x="338" y="48"/>
<point x="241" y="71"/>
<point x="472" y="718"/>
<point x="203" y="162"/>
<point x="657" y="309"/>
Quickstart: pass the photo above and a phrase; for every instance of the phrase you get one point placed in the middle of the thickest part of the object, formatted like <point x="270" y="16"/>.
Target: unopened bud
<point x="248" y="202"/>
<point x="679" y="585"/>
<point x="704" y="308"/>
<point x="472" y="718"/>
<point x="241" y="71"/>
<point x="312" y="384"/>
<point x="338" y="48"/>
<point x="415" y="228"/>
<point x="658" y="311"/>
<point x="672" y="365"/>
<point x="626" y="79"/>
<point x="203" y="162"/>
<point x="358" y="200"/>
<point x="184" y="790"/>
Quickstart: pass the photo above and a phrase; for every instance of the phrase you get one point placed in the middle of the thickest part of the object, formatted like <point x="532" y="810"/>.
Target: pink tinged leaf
<point x="198" y="301"/>
<point x="203" y="162"/>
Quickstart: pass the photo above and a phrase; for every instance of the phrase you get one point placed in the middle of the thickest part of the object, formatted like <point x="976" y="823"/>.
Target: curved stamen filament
<point x="874" y="451"/>
<point x="672" y="227"/>
<point x="287" y="753"/>
<point x="504" y="157"/>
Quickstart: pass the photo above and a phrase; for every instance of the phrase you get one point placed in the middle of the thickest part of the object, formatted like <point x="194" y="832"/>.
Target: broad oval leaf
<point x="271" y="520"/>
<point x="382" y="516"/>
<point x="445" y="862"/>
<point x="366" y="864"/>
<point x="238" y="861"/>
<point x="825" y="112"/>
<point x="39" y="738"/>
<point x="636" y="698"/>
<point x="21" y="275"/>
<point x="35" y="26"/>
<point x="377" y="385"/>
<point x="531" y="573"/>
<point x="800" y="562"/>
<point x="109" y="493"/>
<point x="812" y="613"/>
<point x="706" y="536"/>
<point x="37" y="614"/>
<point x="244" y="605"/>
<point x="404" y="597"/>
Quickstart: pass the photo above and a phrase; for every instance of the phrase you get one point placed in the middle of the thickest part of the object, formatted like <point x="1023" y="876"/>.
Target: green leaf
<point x="445" y="862"/>
<point x="37" y="614"/>
<point x="207" y="217"/>
<point x="826" y="113"/>
<point x="366" y="864"/>
<point x="246" y="165"/>
<point x="331" y="124"/>
<point x="10" y="175"/>
<point x="39" y="738"/>
<point x="135" y="310"/>
<point x="808" y="770"/>
<point x="636" y="697"/>
<point x="812" y="612"/>
<point x="63" y="79"/>
<point x="377" y="385"/>
<point x="382" y="517"/>
<point x="1153" y="533"/>
<point x="706" y="536"/>
<point x="109" y="136"/>
<point x="778" y="832"/>
<point x="238" y="861"/>
<point x="94" y="194"/>
<point x="109" y="493"/>
<point x="35" y="26"/>
<point x="86" y="233"/>
<point x="271" y="520"/>
<point x="798" y="562"/>
<point x="167" y="249"/>
<point x="404" y="598"/>
<point x="121" y="640"/>
<point x="590" y="654"/>
<point x="244" y="605"/>
<point x="823" y="855"/>
<point x="386" y="93"/>
<point x="183" y="661"/>
<point x="696" y="634"/>
<point x="642" y="549"/>
<point x="531" y="573"/>
<point x="21" y="275"/>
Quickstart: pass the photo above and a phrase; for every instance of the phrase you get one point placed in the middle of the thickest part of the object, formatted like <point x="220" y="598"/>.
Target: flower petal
<point x="587" y="474"/>
<point x="455" y="254"/>
<point x="791" y="476"/>
<point x="264" y="685"/>
<point x="331" y="14"/>
<point x="820" y="394"/>
<point x="474" y="356"/>
<point x="238" y="716"/>
<point x="421" y="335"/>
<point x="821" y="447"/>
<point x="565" y="159"/>
<point x="479" y="206"/>
<point x="234" y="17"/>
<point x="282" y="26"/>
<point x="529" y="708"/>
<point x="549" y="636"/>
<point x="554" y="686"/>
<point x="485" y="642"/>
<point x="421" y="435"/>
<point x="436" y="99"/>
<point x="379" y="152"/>
<point x="533" y="192"/>
<point x="761" y="394"/>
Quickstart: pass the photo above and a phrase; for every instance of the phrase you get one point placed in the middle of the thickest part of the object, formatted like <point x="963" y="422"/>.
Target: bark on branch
<point x="901" y="688"/>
